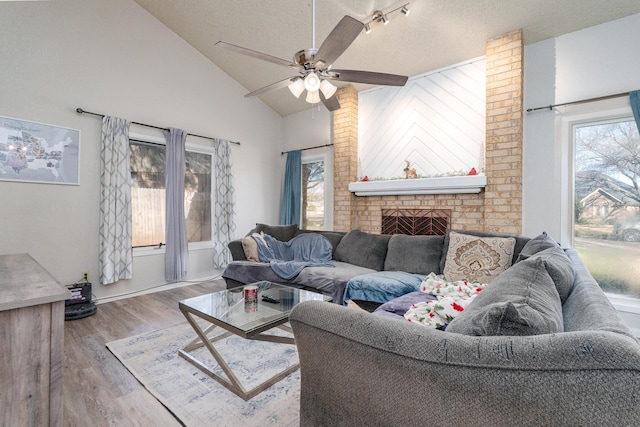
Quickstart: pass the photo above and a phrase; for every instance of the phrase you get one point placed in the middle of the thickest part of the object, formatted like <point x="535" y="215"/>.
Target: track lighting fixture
<point x="383" y="17"/>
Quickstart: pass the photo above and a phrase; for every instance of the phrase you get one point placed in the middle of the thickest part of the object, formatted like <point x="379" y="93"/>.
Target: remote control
<point x="269" y="298"/>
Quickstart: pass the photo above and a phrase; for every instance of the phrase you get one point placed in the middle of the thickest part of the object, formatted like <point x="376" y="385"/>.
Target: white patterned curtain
<point x="177" y="251"/>
<point x="225" y="225"/>
<point x="116" y="258"/>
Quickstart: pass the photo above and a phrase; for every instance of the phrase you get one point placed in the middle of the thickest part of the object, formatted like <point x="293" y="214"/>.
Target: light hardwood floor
<point x="98" y="390"/>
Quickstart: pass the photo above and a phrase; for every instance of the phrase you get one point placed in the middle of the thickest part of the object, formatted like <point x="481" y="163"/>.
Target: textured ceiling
<point x="437" y="33"/>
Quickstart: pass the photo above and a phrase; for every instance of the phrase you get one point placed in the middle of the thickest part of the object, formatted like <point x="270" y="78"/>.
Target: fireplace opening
<point x="416" y="222"/>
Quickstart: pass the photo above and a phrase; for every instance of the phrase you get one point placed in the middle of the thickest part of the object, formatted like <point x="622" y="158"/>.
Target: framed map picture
<point x="37" y="152"/>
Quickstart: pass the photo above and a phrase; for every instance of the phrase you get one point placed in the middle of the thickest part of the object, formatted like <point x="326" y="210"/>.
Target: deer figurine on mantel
<point x="409" y="172"/>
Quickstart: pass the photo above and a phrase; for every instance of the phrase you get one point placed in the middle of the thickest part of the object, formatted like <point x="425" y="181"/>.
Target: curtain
<point x="115" y="252"/>
<point x="634" y="99"/>
<point x="177" y="251"/>
<point x="292" y="192"/>
<point x="224" y="220"/>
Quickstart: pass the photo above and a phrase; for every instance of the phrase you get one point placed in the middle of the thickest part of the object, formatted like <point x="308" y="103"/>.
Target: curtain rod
<point x="308" y="148"/>
<point x="582" y="101"/>
<point x="81" y="111"/>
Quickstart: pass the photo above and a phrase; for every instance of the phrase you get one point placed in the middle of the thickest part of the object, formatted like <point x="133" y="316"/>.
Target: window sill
<point x="441" y="185"/>
<point x="155" y="250"/>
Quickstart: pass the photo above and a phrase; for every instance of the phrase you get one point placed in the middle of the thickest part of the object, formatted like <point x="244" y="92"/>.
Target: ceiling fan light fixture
<point x="385" y="19"/>
<point x="367" y="28"/>
<point x="313" y="97"/>
<point x="312" y="82"/>
<point x="297" y="87"/>
<point x="327" y="89"/>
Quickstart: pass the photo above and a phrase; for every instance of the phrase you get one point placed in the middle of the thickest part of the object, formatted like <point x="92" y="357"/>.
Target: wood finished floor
<point x="98" y="389"/>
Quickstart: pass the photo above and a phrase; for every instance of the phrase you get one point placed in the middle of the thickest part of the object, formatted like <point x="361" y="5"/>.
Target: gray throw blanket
<point x="287" y="259"/>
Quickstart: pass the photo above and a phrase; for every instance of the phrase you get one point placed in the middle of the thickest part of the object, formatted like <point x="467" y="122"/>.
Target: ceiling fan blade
<point x="273" y="86"/>
<point x="332" y="103"/>
<point x="258" y="55"/>
<point x="339" y="39"/>
<point x="369" y="77"/>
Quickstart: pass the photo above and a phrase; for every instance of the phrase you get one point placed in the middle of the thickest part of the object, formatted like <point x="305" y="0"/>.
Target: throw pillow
<point x="560" y="268"/>
<point x="363" y="249"/>
<point x="521" y="301"/>
<point x="520" y="243"/>
<point x="537" y="244"/>
<point x="477" y="259"/>
<point x="250" y="247"/>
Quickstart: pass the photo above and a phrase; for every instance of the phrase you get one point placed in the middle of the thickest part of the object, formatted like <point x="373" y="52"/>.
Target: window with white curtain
<point x="148" y="193"/>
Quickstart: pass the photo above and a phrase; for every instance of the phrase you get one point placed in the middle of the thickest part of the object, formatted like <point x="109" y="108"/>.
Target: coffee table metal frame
<point x="202" y="340"/>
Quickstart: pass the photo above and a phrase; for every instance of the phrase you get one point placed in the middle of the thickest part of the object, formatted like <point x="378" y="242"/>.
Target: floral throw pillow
<point x="477" y="259"/>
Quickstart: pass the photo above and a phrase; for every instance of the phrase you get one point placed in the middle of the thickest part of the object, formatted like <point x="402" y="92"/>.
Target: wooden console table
<point x="32" y="343"/>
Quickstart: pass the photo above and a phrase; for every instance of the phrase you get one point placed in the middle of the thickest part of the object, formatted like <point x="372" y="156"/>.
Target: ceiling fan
<point x="314" y="65"/>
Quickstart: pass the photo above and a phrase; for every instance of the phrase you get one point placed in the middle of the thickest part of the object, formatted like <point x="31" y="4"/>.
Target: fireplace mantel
<point x="441" y="185"/>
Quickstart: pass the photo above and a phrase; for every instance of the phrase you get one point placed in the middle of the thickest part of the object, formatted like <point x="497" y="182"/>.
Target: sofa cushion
<point x="414" y="254"/>
<point x="477" y="259"/>
<point x="284" y="233"/>
<point x="520" y="243"/>
<point x="537" y="244"/>
<point x="363" y="249"/>
<point x="560" y="268"/>
<point x="521" y="301"/>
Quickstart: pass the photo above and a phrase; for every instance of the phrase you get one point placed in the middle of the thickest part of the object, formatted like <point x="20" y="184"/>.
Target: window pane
<point x="197" y="197"/>
<point x="313" y="196"/>
<point x="147" y="194"/>
<point x="607" y="204"/>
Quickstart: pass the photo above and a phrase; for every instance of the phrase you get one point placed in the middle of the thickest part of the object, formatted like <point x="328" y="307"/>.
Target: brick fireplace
<point x="498" y="208"/>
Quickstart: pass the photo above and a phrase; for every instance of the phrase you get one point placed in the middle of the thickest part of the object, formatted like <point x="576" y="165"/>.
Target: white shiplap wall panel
<point x="437" y="121"/>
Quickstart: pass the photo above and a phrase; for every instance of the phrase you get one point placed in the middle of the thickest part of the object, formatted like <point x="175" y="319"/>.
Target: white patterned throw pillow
<point x="477" y="259"/>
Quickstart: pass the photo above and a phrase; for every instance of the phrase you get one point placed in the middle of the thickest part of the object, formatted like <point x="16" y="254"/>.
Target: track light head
<point x="405" y="11"/>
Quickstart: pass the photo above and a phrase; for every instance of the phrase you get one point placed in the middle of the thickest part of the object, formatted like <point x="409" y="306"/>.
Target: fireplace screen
<point x="433" y="222"/>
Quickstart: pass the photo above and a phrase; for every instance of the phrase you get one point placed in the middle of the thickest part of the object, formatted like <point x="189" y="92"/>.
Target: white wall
<point x="112" y="57"/>
<point x="436" y="122"/>
<point x="313" y="128"/>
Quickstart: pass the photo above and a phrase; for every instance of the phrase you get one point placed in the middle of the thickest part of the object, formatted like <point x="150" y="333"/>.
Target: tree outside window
<point x="148" y="195"/>
<point x="607" y="203"/>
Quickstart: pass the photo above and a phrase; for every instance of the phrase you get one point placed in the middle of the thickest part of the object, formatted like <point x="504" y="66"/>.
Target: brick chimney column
<point x="503" y="194"/>
<point x="345" y="158"/>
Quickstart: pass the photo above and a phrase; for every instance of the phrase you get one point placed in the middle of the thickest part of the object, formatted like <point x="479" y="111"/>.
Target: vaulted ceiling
<point x="436" y="33"/>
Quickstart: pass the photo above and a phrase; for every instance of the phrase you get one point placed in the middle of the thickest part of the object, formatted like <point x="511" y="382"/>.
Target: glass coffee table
<point x="228" y="310"/>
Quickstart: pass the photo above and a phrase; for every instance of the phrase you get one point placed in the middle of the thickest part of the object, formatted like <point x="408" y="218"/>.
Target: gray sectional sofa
<point x="543" y="347"/>
<point x="355" y="253"/>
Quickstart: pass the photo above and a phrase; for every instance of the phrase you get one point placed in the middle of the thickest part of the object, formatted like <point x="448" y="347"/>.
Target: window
<point x="607" y="201"/>
<point x="313" y="195"/>
<point x="316" y="212"/>
<point x="148" y="194"/>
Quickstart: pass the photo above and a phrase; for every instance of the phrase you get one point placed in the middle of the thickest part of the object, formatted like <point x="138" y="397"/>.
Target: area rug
<point x="198" y="400"/>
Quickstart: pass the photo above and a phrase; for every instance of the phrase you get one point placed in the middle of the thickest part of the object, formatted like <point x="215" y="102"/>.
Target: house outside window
<point x="606" y="223"/>
<point x="148" y="194"/>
